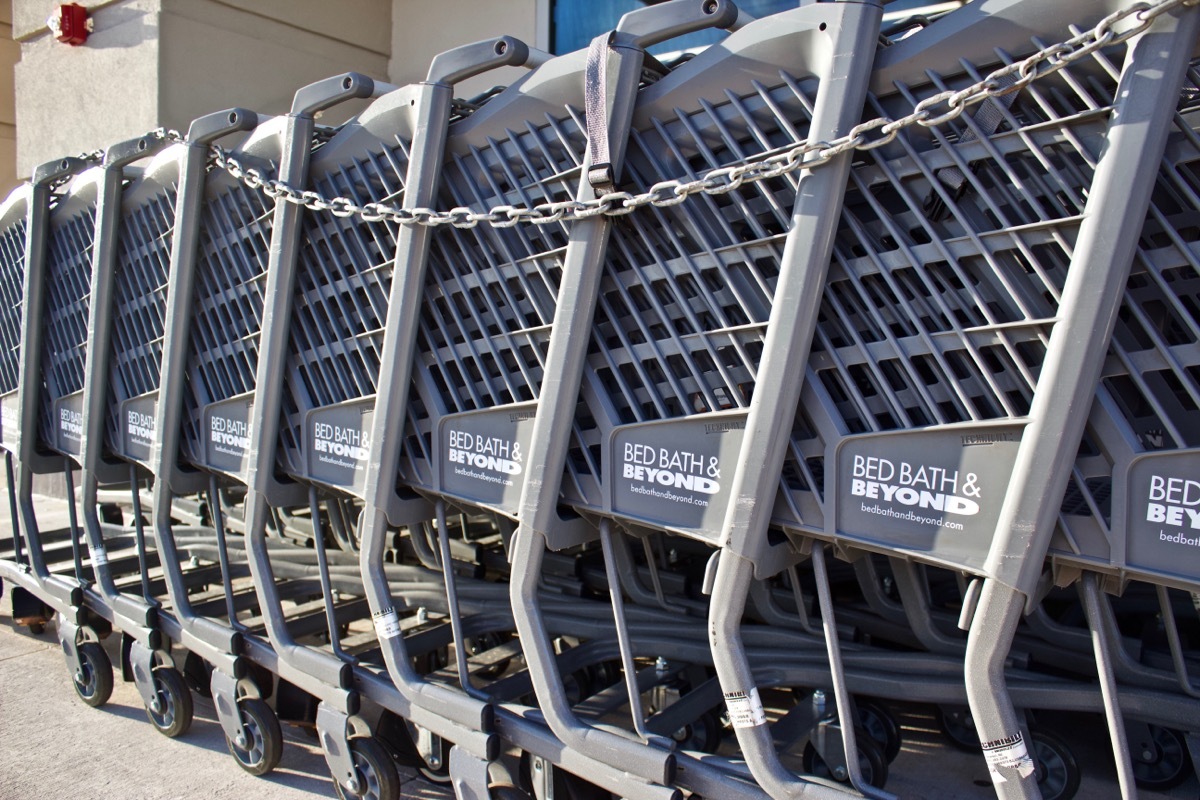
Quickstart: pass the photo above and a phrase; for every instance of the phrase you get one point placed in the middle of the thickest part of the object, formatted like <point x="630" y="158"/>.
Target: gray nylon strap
<point x="987" y="119"/>
<point x="595" y="102"/>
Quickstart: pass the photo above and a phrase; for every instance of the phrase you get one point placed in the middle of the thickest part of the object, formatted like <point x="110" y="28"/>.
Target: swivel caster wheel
<point x="702" y="734"/>
<point x="173" y="715"/>
<point x="958" y="726"/>
<point x="94" y="681"/>
<point x="1058" y="774"/>
<point x="262" y="747"/>
<point x="871" y="762"/>
<point x="881" y="725"/>
<point x="374" y="771"/>
<point x="1163" y="762"/>
<point x="435" y="766"/>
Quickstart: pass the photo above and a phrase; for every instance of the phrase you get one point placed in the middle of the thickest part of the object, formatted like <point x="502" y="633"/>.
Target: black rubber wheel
<point x="702" y="734"/>
<point x="506" y="791"/>
<point x="958" y="726"/>
<point x="94" y="684"/>
<point x="476" y="645"/>
<point x="264" y="743"/>
<point x="1058" y="773"/>
<point x="1163" y="762"/>
<point x="410" y="756"/>
<point x="111" y="514"/>
<point x="566" y="785"/>
<point x="37" y="628"/>
<point x="881" y="725"/>
<point x="198" y="675"/>
<point x="174" y="715"/>
<point x="374" y="770"/>
<point x="577" y="686"/>
<point x="871" y="762"/>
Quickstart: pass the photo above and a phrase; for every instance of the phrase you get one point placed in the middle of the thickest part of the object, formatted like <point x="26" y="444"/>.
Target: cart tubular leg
<point x="1103" y="647"/>
<point x="1124" y="178"/>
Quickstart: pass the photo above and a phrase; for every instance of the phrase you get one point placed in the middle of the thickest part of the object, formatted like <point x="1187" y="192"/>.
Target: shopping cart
<point x="121" y="397"/>
<point x="1126" y="515"/>
<point x="125" y="601"/>
<point x="36" y="593"/>
<point x="27" y="608"/>
<point x="478" y="325"/>
<point x="215" y="220"/>
<point x="669" y="303"/>
<point x="61" y="209"/>
<point x="967" y="276"/>
<point x="211" y="351"/>
<point x="320" y="350"/>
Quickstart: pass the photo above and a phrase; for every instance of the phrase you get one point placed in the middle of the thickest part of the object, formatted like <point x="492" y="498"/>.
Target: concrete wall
<point x="10" y="54"/>
<point x="256" y="53"/>
<point x="421" y="29"/>
<point x="75" y="99"/>
<point x="165" y="62"/>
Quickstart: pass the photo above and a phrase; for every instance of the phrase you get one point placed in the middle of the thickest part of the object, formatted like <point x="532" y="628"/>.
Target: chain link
<point x="933" y="111"/>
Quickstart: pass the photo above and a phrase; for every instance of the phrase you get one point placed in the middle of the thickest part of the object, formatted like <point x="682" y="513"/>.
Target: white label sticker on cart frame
<point x="99" y="556"/>
<point x="745" y="709"/>
<point x="387" y="624"/>
<point x="1007" y="752"/>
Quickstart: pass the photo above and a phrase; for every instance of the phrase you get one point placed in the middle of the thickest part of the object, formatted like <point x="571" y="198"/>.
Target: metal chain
<point x="162" y="134"/>
<point x="933" y="111"/>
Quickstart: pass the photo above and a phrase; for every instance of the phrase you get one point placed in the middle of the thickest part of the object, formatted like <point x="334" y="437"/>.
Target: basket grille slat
<point x="343" y="279"/>
<point x="140" y="296"/>
<point x="12" y="283"/>
<point x="235" y="236"/>
<point x="68" y="292"/>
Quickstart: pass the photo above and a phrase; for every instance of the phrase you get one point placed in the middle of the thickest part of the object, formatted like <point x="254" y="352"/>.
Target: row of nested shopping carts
<point x="679" y="502"/>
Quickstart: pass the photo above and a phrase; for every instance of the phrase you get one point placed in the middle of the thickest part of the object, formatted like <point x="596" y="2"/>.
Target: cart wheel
<point x="374" y="770"/>
<point x="958" y="726"/>
<point x="577" y="686"/>
<point x="94" y="683"/>
<point x="37" y="628"/>
<point x="566" y="785"/>
<point x="111" y="514"/>
<point x="263" y="747"/>
<point x="1162" y="763"/>
<point x="481" y="644"/>
<point x="439" y="775"/>
<point x="1057" y="773"/>
<point x="409" y="755"/>
<point x="174" y="714"/>
<point x="870" y="761"/>
<point x="197" y="674"/>
<point x="881" y="725"/>
<point x="702" y="734"/>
